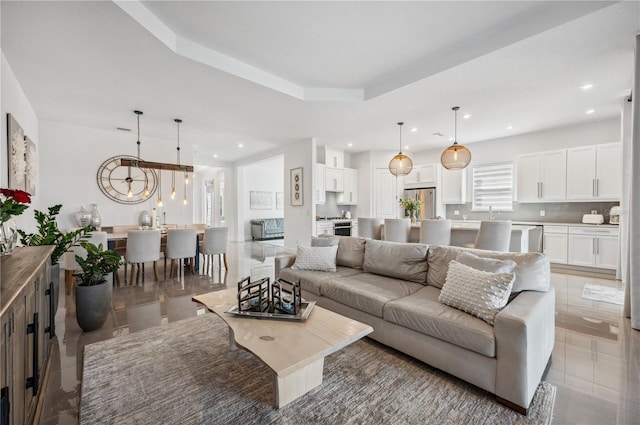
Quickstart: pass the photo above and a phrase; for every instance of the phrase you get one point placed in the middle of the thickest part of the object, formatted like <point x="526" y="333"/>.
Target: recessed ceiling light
<point x="451" y="139"/>
<point x="215" y="155"/>
<point x="509" y="127"/>
<point x="590" y="111"/>
<point x="406" y="147"/>
<point x="414" y="129"/>
<point x="586" y="86"/>
<point x="240" y="145"/>
<point x="350" y="144"/>
<point x="466" y="116"/>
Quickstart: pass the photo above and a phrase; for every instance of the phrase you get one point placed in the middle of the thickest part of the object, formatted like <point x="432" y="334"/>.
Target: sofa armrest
<point x="525" y="334"/>
<point x="282" y="262"/>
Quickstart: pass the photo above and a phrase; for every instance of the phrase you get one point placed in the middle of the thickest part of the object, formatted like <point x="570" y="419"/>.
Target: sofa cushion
<point x="490" y="265"/>
<point x="351" y="251"/>
<point x="311" y="280"/>
<point x="321" y="258"/>
<point x="423" y="313"/>
<point x="479" y="293"/>
<point x="324" y="240"/>
<point x="367" y="292"/>
<point x="407" y="261"/>
<point x="532" y="271"/>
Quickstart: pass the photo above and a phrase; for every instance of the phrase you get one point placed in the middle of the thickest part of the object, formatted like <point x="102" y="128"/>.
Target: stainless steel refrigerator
<point x="428" y="197"/>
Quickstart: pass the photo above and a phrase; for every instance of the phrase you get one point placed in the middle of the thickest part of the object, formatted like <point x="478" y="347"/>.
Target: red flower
<point x="7" y="192"/>
<point x="21" y="196"/>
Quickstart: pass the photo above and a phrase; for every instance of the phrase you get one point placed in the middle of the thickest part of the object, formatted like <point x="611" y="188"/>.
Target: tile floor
<point x="595" y="363"/>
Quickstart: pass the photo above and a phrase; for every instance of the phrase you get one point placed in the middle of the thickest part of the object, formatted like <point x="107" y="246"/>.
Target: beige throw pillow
<point x="320" y="258"/>
<point x="481" y="294"/>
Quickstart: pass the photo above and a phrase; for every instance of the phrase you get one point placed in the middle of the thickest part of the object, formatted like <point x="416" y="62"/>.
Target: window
<point x="493" y="187"/>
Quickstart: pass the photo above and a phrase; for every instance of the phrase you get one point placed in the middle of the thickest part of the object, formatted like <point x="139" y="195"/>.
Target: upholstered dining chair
<point x="214" y="243"/>
<point x="143" y="246"/>
<point x="120" y="246"/>
<point x="70" y="263"/>
<point x="370" y="228"/>
<point x="397" y="229"/>
<point x="435" y="232"/>
<point x="494" y="235"/>
<point x="181" y="244"/>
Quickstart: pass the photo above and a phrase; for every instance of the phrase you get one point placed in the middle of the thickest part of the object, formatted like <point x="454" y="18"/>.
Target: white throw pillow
<point x="481" y="294"/>
<point x="321" y="258"/>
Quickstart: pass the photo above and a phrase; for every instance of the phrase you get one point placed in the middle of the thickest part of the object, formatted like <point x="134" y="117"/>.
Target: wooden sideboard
<point x="26" y="324"/>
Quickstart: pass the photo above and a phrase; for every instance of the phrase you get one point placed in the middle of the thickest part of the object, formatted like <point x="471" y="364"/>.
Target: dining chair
<point x="370" y="228"/>
<point x="397" y="229"/>
<point x="214" y="243"/>
<point x="70" y="263"/>
<point x="494" y="235"/>
<point x="181" y="243"/>
<point x="120" y="246"/>
<point x="435" y="232"/>
<point x="143" y="246"/>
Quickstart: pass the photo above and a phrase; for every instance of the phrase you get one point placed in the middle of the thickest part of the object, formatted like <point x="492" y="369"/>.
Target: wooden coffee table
<point x="295" y="351"/>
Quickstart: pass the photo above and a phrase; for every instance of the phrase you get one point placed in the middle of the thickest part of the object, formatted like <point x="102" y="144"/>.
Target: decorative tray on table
<point x="278" y="300"/>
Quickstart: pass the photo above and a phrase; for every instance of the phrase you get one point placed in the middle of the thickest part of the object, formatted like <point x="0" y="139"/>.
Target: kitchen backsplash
<point x="330" y="208"/>
<point x="556" y="212"/>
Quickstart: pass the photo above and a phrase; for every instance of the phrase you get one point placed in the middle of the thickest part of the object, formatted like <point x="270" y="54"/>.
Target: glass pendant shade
<point x="401" y="164"/>
<point x="455" y="157"/>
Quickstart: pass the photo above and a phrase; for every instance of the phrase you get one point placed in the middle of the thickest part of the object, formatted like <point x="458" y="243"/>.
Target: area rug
<point x="184" y="373"/>
<point x="605" y="294"/>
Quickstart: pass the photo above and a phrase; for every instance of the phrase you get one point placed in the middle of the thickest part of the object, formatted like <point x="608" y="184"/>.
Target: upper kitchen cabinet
<point x="595" y="172"/>
<point x="333" y="158"/>
<point x="453" y="186"/>
<point x="422" y="175"/>
<point x="542" y="176"/>
<point x="319" y="181"/>
<point x="350" y="194"/>
<point x="334" y="181"/>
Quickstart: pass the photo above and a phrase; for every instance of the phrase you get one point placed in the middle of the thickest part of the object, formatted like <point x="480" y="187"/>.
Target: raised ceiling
<point x="264" y="74"/>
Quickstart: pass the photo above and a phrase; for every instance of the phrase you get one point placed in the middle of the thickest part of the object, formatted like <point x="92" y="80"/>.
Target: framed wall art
<point x="296" y="187"/>
<point x="17" y="154"/>
<point x="260" y="200"/>
<point x="31" y="166"/>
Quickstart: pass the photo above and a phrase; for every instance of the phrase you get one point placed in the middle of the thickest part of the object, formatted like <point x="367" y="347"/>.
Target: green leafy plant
<point x="98" y="263"/>
<point x="50" y="234"/>
<point x="410" y="204"/>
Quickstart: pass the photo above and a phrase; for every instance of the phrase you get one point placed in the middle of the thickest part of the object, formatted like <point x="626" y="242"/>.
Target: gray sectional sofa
<point x="394" y="287"/>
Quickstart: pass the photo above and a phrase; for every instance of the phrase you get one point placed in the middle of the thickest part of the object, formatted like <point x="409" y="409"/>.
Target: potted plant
<point x="94" y="285"/>
<point x="50" y="234"/>
<point x="411" y="205"/>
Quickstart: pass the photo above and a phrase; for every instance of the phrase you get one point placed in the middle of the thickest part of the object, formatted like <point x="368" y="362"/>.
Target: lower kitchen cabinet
<point x="27" y="322"/>
<point x="593" y="247"/>
<point x="554" y="243"/>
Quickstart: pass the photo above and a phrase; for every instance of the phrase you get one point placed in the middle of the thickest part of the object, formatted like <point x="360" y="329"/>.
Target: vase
<point x="8" y="237"/>
<point x="84" y="217"/>
<point x="96" y="220"/>
<point x="412" y="216"/>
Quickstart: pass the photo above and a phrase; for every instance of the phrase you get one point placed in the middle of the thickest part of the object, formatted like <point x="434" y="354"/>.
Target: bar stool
<point x="397" y="229"/>
<point x="181" y="243"/>
<point x="435" y="232"/>
<point x="214" y="243"/>
<point x="494" y="235"/>
<point x="143" y="246"/>
<point x="370" y="228"/>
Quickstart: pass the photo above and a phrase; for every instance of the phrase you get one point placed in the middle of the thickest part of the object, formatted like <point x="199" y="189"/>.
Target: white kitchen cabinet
<point x="350" y="194"/>
<point x="593" y="247"/>
<point x="319" y="181"/>
<point x="542" y="176"/>
<point x="554" y="243"/>
<point x="333" y="158"/>
<point x="453" y="186"/>
<point x="422" y="175"/>
<point x="385" y="194"/>
<point x="324" y="227"/>
<point x="334" y="181"/>
<point x="595" y="172"/>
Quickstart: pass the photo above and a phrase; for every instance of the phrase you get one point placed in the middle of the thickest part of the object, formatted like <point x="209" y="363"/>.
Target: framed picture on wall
<point x="260" y="200"/>
<point x="17" y="154"/>
<point x="296" y="187"/>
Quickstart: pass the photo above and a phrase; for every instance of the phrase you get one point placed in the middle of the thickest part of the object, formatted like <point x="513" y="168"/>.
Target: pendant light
<point x="455" y="157"/>
<point x="159" y="202"/>
<point x="400" y="165"/>
<point x="129" y="179"/>
<point x="173" y="173"/>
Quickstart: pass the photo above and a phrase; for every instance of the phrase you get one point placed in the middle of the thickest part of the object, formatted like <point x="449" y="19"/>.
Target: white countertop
<point x="543" y="223"/>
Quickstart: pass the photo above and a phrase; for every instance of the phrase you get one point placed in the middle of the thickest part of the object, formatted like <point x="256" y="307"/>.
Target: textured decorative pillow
<point x="321" y="258"/>
<point x="490" y="265"/>
<point x="325" y="240"/>
<point x="481" y="294"/>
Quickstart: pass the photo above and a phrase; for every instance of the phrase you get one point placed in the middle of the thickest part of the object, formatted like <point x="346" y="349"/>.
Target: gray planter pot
<point x="93" y="304"/>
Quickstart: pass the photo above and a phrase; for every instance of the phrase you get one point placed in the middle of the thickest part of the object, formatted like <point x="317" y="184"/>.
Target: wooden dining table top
<point x="122" y="236"/>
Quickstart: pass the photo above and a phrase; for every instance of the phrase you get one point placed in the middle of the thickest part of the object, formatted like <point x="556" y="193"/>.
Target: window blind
<point x="493" y="187"/>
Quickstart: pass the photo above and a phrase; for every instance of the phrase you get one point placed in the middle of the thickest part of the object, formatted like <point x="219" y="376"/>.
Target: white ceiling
<point x="253" y="72"/>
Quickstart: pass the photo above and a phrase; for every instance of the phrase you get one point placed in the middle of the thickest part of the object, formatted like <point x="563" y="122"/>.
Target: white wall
<point x="299" y="220"/>
<point x="14" y="101"/>
<point x="69" y="159"/>
<point x="267" y="176"/>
